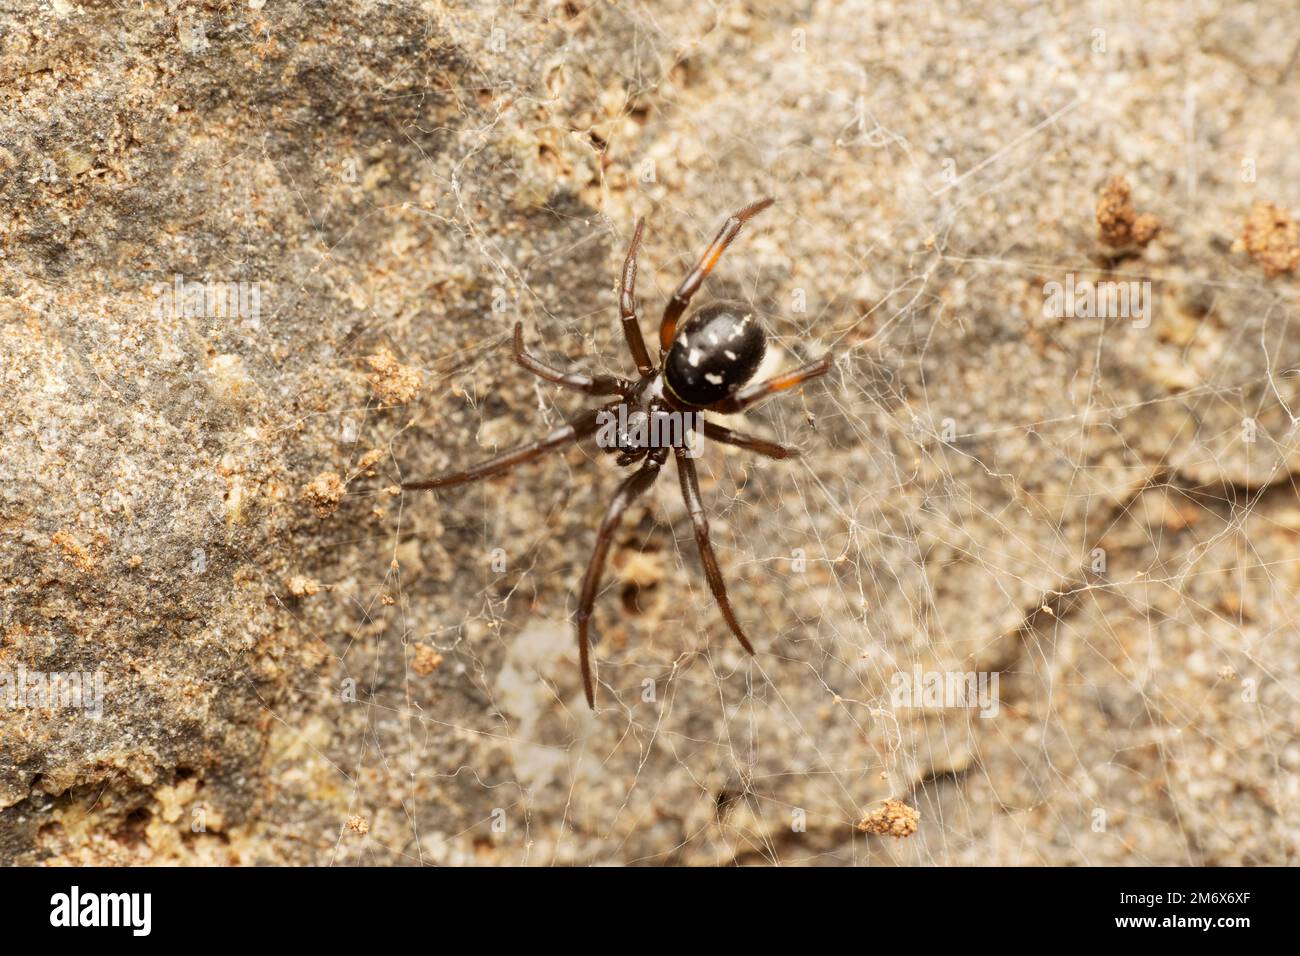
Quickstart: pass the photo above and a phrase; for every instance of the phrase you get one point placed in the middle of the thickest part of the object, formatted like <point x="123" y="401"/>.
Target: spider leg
<point x="691" y="284"/>
<point x="577" y="429"/>
<point x="579" y="381"/>
<point x="691" y="495"/>
<point x="751" y="394"/>
<point x="632" y="487"/>
<point x="627" y="307"/>
<point x="769" y="449"/>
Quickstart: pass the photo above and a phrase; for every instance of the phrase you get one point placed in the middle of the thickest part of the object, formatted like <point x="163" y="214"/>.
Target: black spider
<point x="705" y="366"/>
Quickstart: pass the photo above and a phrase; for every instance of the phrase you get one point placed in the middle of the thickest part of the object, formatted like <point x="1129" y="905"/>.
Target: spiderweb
<point x="1100" y="514"/>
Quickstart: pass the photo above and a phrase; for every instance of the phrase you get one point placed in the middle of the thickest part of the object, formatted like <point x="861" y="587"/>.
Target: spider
<point x="705" y="365"/>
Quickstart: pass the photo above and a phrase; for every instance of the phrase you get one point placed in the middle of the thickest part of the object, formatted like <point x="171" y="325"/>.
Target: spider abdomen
<point x="716" y="350"/>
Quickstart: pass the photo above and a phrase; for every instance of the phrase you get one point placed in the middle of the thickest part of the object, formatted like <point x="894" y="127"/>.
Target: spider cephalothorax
<point x="705" y="365"/>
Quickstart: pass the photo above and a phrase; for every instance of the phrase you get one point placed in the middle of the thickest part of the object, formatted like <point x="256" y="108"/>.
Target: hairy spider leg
<point x="695" y="506"/>
<point x="579" y="381"/>
<point x="691" y="284"/>
<point x="632" y="488"/>
<point x="761" y="446"/>
<point x="752" y="394"/>
<point x="627" y="307"/>
<point x="577" y="429"/>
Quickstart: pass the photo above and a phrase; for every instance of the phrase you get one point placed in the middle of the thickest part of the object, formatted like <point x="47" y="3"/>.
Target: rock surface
<point x="259" y="263"/>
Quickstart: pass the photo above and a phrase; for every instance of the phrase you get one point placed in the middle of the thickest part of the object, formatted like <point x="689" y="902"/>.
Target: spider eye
<point x="716" y="350"/>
